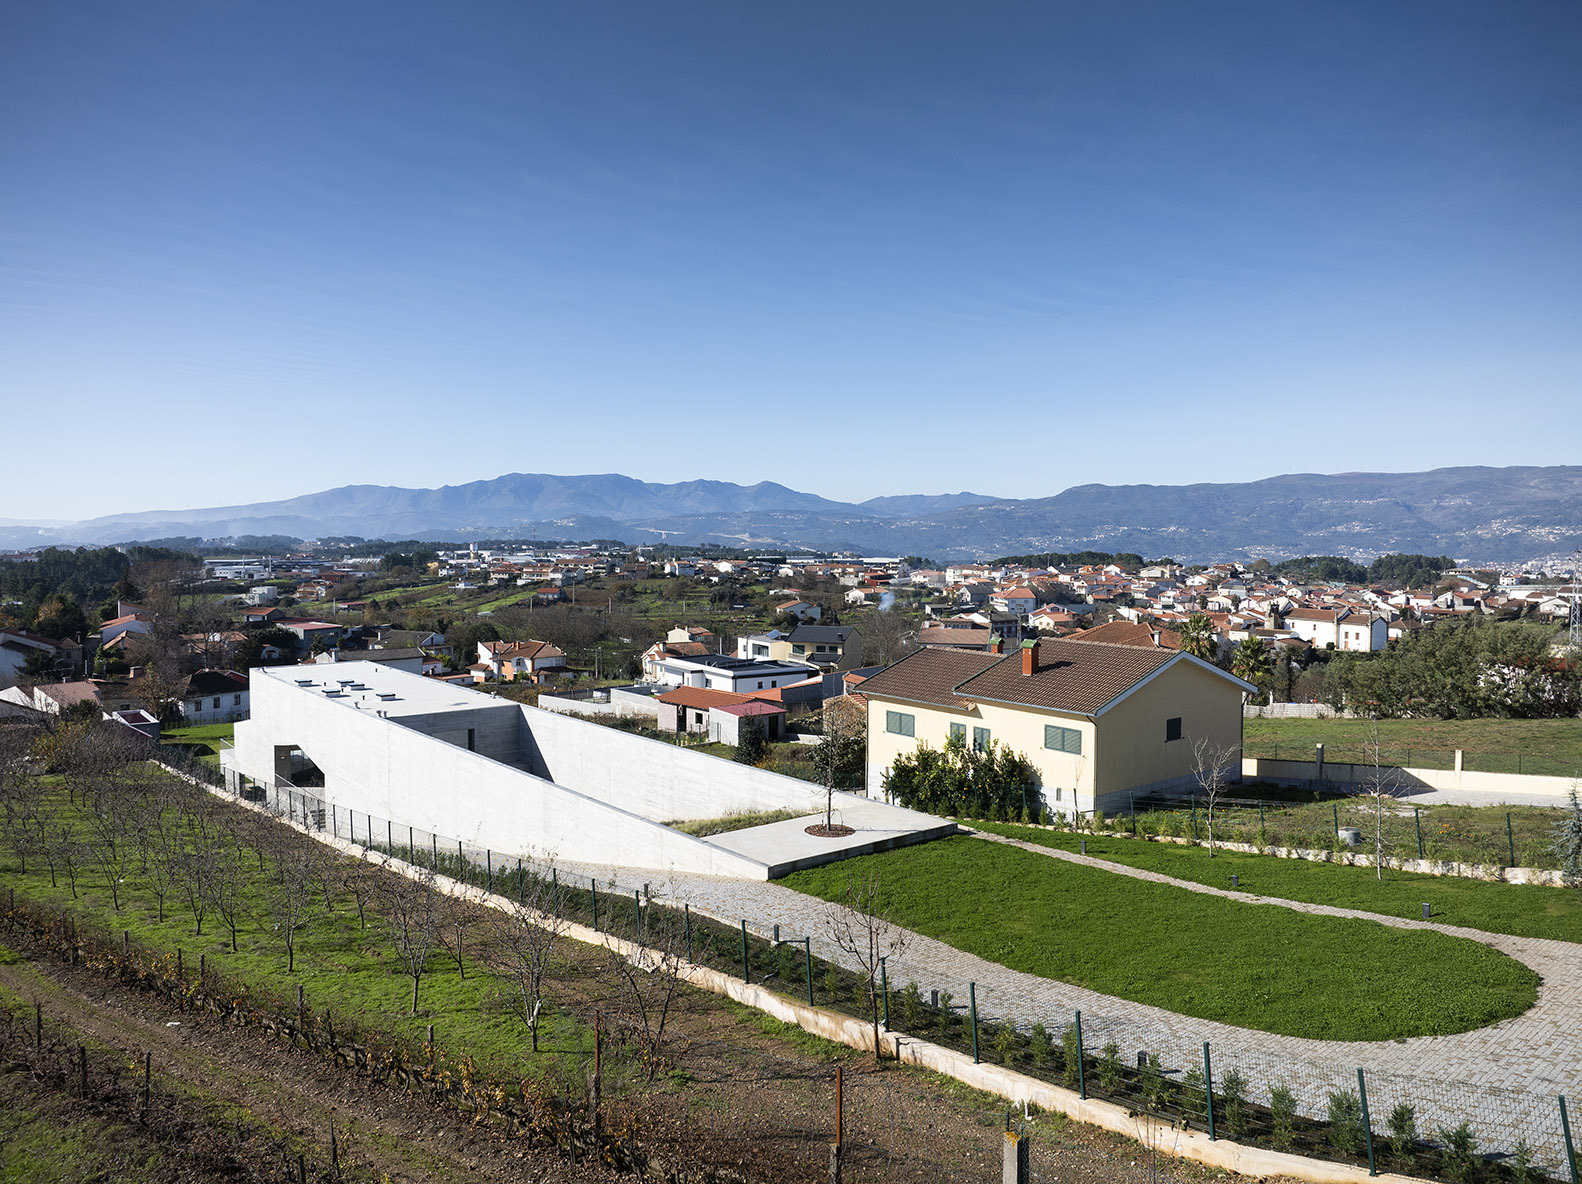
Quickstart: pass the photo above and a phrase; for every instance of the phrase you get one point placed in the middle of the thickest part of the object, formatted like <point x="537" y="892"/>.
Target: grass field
<point x="1256" y="966"/>
<point x="1552" y="747"/>
<point x="1521" y="909"/>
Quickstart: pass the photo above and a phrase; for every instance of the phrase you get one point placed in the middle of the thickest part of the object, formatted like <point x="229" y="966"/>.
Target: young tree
<point x="1213" y="768"/>
<point x="858" y="926"/>
<point x="1381" y="784"/>
<point x="838" y="757"/>
<point x="412" y="921"/>
<point x="647" y="983"/>
<point x="290" y="889"/>
<point x="523" y="947"/>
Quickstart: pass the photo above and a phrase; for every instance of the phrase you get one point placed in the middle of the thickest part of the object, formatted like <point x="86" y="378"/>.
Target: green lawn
<point x="1524" y="910"/>
<point x="1545" y="746"/>
<point x="201" y="740"/>
<point x="1256" y="966"/>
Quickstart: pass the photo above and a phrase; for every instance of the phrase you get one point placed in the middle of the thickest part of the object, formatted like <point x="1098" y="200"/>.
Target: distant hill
<point x="1475" y="514"/>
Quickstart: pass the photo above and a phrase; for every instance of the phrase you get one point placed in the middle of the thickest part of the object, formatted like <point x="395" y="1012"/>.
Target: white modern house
<point x="365" y="741"/>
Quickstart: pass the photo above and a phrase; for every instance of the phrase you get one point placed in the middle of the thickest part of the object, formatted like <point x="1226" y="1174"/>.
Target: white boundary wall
<point x="1463" y="780"/>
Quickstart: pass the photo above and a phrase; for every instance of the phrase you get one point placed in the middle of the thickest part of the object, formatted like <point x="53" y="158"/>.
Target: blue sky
<point x="248" y="251"/>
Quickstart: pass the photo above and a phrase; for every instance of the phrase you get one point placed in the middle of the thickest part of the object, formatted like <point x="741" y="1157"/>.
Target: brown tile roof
<point x="930" y="675"/>
<point x="700" y="698"/>
<point x="935" y="636"/>
<point x="1076" y="676"/>
<point x="1131" y="633"/>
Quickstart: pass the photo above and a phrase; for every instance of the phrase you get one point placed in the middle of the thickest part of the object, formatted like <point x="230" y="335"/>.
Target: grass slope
<point x="1255" y="966"/>
<point x="1523" y="910"/>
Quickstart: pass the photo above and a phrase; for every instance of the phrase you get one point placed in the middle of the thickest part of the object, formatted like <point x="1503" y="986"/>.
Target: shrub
<point x="1345" y="1121"/>
<point x="1110" y="1068"/>
<point x="912" y="1007"/>
<point x="1282" y="1115"/>
<point x="1459" y="1155"/>
<point x="1194" y="1095"/>
<point x="1232" y="1099"/>
<point x="1401" y="1129"/>
<point x="1156" y="1086"/>
<point x="1071" y="1052"/>
<point x="1522" y="1164"/>
<point x="1039" y="1042"/>
<point x="1005" y="1042"/>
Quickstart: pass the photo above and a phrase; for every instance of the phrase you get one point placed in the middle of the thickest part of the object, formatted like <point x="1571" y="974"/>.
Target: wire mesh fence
<point x="1436" y="1128"/>
<point x="1352" y="752"/>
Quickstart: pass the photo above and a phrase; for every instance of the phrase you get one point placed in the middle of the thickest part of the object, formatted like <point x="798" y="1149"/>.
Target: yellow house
<point x="1098" y="721"/>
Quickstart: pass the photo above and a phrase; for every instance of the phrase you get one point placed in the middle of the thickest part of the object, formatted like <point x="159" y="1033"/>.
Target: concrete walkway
<point x="1502" y="1079"/>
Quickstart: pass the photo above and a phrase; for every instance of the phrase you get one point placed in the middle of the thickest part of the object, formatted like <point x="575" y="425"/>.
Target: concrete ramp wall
<point x="654" y="778"/>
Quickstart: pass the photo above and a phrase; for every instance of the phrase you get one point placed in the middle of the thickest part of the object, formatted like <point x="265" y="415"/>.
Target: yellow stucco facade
<point x="1126" y="747"/>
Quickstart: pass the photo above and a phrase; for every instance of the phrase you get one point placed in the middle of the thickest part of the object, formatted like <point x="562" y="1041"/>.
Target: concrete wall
<point x="655" y="778"/>
<point x="1493" y="784"/>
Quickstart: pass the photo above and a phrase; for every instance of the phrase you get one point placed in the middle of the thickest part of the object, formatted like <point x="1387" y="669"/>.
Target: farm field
<point x="1198" y="955"/>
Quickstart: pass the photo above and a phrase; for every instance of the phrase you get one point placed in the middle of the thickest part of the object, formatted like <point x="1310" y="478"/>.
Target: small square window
<point x="1172" y="729"/>
<point x="900" y="723"/>
<point x="980" y="739"/>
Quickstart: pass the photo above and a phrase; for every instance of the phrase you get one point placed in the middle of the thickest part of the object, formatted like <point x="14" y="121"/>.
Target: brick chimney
<point x="1029" y="657"/>
<point x="997" y="644"/>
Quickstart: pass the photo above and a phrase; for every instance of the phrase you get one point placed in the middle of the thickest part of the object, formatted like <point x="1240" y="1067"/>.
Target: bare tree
<point x="839" y="755"/>
<point x="290" y="890"/>
<point x="1381" y="784"/>
<point x="647" y="983"/>
<point x="857" y="924"/>
<point x="523" y="948"/>
<point x="358" y="878"/>
<point x="412" y="921"/>
<point x="1213" y="770"/>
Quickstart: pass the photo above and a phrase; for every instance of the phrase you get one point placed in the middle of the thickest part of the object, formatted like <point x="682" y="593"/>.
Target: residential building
<point x="507" y="661"/>
<point x="1098" y="721"/>
<point x="214" y="697"/>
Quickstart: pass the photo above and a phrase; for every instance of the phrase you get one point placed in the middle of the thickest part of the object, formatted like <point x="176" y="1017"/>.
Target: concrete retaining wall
<point x="1471" y="781"/>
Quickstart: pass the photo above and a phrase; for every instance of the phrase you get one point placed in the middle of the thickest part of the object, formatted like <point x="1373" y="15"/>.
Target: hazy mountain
<point x="1506" y="514"/>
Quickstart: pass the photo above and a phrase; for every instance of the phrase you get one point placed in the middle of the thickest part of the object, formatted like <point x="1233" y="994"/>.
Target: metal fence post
<point x="1417" y="817"/>
<point x="593" y="887"/>
<point x="488" y="863"/>
<point x="1132" y="798"/>
<point x="1565" y="1129"/>
<point x="746" y="976"/>
<point x="972" y="1004"/>
<point x="389" y="836"/>
<point x="461" y="863"/>
<point x="1082" y="1080"/>
<point x="411" y="846"/>
<point x="1510" y="839"/>
<point x="807" y="956"/>
<point x="1208" y="1091"/>
<point x="686" y="924"/>
<point x="1367" y="1124"/>
<point x="433" y="840"/>
<point x="1335" y="810"/>
<point x="637" y="905"/>
<point x="884" y="989"/>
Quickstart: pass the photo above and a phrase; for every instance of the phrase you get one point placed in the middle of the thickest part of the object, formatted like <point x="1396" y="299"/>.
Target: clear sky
<point x="251" y="250"/>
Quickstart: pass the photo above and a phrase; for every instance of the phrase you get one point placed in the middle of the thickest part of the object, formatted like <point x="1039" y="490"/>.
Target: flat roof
<point x="370" y="685"/>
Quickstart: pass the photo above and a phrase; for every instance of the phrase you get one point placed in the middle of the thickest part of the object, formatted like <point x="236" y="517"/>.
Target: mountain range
<point x="1473" y="514"/>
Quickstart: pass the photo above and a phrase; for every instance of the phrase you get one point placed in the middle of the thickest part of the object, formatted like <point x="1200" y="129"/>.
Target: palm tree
<point x="1252" y="661"/>
<point x="1197" y="637"/>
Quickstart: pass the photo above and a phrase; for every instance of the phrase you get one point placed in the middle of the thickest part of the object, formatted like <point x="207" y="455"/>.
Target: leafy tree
<point x="60" y="616"/>
<point x="1566" y="841"/>
<point x="751" y="747"/>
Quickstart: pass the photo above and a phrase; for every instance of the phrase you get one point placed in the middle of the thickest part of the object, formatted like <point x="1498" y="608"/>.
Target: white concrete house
<point x="357" y="742"/>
